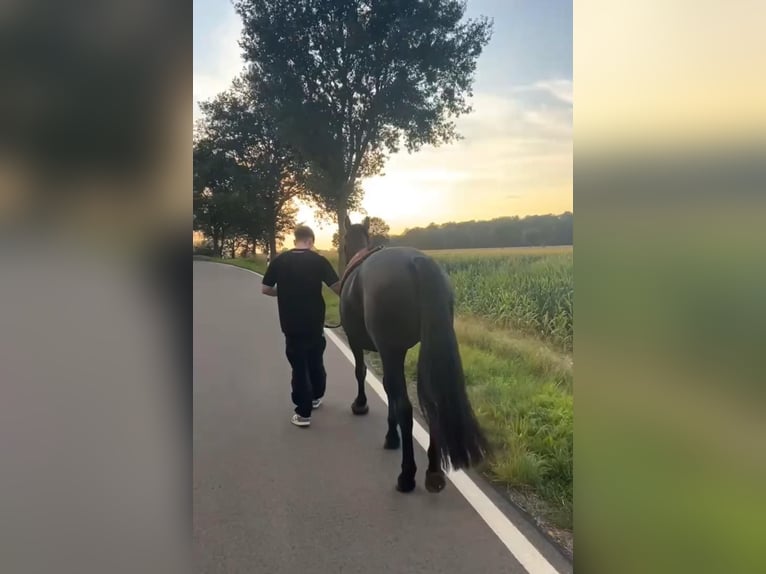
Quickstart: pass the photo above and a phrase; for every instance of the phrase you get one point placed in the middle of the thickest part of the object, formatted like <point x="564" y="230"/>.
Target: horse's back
<point x="389" y="273"/>
<point x="390" y="297"/>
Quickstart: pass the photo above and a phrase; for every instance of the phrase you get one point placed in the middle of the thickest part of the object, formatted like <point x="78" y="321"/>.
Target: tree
<point x="379" y="233"/>
<point x="350" y="81"/>
<point x="269" y="174"/>
<point x="501" y="232"/>
<point x="216" y="199"/>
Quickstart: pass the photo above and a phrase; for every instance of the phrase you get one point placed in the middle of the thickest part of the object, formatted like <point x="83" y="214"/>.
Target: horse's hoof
<point x="392" y="442"/>
<point x="405" y="484"/>
<point x="435" y="481"/>
<point x="359" y="409"/>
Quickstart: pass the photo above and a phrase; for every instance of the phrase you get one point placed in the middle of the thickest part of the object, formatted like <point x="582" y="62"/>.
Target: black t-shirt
<point x="298" y="275"/>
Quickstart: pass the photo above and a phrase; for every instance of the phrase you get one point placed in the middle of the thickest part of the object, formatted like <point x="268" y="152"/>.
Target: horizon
<point x="392" y="233"/>
<point x="515" y="158"/>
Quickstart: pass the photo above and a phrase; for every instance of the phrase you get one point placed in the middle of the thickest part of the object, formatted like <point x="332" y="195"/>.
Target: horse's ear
<point x="366" y="223"/>
<point x="347" y="222"/>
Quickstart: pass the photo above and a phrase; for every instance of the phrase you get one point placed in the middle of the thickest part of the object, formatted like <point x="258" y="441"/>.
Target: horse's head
<point x="357" y="237"/>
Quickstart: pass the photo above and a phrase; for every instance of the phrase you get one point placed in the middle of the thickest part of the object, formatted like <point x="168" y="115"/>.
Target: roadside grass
<point x="520" y="387"/>
<point x="521" y="392"/>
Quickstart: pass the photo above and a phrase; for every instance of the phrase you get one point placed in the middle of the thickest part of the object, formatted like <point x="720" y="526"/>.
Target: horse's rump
<point x="387" y="297"/>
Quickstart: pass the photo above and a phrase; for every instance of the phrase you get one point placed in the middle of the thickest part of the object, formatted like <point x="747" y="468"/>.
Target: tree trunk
<point x="253" y="246"/>
<point x="221" y="243"/>
<point x="271" y="233"/>
<point x="342" y="214"/>
<point x="272" y="246"/>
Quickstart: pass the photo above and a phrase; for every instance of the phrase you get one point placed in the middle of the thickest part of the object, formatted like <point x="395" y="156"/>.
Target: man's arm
<point x="270" y="279"/>
<point x="330" y="277"/>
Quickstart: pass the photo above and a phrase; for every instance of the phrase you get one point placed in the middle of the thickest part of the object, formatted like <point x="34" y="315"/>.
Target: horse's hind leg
<point x="435" y="480"/>
<point x="396" y="389"/>
<point x="359" y="406"/>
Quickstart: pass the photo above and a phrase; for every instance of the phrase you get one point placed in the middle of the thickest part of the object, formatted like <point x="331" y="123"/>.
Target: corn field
<point x="532" y="293"/>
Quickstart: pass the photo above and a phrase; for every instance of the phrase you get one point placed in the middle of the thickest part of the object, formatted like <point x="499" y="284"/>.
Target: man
<point x="298" y="275"/>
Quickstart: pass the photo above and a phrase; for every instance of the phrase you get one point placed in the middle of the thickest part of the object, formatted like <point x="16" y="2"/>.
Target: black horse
<point x="390" y="300"/>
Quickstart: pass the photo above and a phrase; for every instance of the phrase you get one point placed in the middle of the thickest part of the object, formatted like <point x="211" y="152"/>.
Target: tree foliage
<point x="246" y="169"/>
<point x="379" y="233"/>
<point x="350" y="81"/>
<point x="217" y="201"/>
<point x="534" y="230"/>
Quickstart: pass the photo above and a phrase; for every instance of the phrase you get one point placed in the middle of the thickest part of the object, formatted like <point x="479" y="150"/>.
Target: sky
<point x="516" y="155"/>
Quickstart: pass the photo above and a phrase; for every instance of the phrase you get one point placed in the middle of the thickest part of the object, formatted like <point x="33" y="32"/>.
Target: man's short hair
<point x="304" y="233"/>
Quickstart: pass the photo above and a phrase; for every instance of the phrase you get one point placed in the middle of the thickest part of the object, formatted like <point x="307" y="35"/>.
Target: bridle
<point x="355" y="262"/>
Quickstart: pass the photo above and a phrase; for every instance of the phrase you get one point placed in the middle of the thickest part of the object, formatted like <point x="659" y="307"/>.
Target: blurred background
<point x="95" y="173"/>
<point x="669" y="283"/>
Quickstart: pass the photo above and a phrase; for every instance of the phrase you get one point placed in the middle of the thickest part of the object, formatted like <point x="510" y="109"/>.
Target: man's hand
<point x="336" y="287"/>
<point x="270" y="291"/>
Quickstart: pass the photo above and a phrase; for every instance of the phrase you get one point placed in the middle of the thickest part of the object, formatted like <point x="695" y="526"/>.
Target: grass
<point x="521" y="392"/>
<point x="514" y="325"/>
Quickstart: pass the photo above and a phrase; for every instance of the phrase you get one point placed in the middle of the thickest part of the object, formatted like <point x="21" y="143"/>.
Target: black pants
<point x="306" y="356"/>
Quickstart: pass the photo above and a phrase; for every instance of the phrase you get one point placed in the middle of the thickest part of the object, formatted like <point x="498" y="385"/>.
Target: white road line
<point x="521" y="548"/>
<point x="513" y="539"/>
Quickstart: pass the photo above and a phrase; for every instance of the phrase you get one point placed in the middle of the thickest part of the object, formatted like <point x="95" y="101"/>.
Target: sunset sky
<point x="516" y="158"/>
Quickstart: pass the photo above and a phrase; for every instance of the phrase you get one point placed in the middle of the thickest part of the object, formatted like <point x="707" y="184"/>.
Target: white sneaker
<point x="316" y="403"/>
<point x="300" y="421"/>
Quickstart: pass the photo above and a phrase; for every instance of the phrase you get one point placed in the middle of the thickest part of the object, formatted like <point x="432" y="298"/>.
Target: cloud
<point x="517" y="117"/>
<point x="559" y="89"/>
<point x="515" y="158"/>
<point x="506" y="140"/>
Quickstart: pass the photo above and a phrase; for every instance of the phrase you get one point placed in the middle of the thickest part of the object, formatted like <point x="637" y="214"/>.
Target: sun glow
<point x="404" y="199"/>
<point x="400" y="200"/>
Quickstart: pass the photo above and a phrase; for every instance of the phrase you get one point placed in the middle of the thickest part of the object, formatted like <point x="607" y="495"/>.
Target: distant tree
<point x="217" y="201"/>
<point x="350" y="81"/>
<point x="269" y="173"/>
<point x="532" y="237"/>
<point x="379" y="233"/>
<point x="533" y="230"/>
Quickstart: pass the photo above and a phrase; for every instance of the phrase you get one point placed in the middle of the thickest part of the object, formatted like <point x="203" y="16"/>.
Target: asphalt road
<point x="270" y="497"/>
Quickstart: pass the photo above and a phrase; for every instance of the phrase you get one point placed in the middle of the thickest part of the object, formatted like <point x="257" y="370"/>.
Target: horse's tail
<point x="441" y="383"/>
